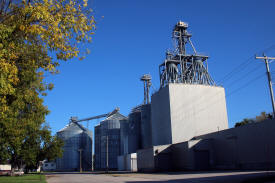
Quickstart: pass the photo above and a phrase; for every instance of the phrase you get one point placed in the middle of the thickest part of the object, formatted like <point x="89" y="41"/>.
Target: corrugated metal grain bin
<point x="146" y="126"/>
<point x="124" y="128"/>
<point x="108" y="134"/>
<point x="134" y="137"/>
<point x="75" y="138"/>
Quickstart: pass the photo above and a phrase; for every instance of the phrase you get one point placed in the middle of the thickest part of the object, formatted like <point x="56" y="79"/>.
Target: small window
<point x="46" y="165"/>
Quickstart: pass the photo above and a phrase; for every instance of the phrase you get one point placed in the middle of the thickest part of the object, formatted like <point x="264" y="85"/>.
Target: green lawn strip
<point x="29" y="178"/>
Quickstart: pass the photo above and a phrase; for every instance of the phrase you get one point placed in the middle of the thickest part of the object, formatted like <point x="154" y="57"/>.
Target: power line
<point x="241" y="66"/>
<point x="213" y="98"/>
<point x="244" y="76"/>
<point x="235" y="70"/>
<point x="216" y="98"/>
<point x="246" y="84"/>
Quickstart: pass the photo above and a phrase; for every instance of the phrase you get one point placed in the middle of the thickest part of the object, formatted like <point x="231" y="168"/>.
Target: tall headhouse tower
<point x="188" y="102"/>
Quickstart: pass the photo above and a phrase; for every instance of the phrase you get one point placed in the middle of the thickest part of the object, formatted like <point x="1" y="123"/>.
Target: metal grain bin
<point x="146" y="126"/>
<point x="134" y="136"/>
<point x="108" y="134"/>
<point x="124" y="129"/>
<point x="76" y="138"/>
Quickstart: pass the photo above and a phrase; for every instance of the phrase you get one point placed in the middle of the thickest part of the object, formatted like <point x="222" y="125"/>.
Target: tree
<point x="263" y="116"/>
<point x="35" y="35"/>
<point x="243" y="122"/>
<point x="40" y="146"/>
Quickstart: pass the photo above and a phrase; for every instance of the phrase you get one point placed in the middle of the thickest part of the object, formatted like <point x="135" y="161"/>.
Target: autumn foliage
<point x="35" y="35"/>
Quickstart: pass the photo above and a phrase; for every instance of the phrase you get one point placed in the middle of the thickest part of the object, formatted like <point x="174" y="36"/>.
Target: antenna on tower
<point x="181" y="67"/>
<point x="146" y="78"/>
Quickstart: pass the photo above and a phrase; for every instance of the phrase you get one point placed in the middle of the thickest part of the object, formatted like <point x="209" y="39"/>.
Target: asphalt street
<point x="185" y="177"/>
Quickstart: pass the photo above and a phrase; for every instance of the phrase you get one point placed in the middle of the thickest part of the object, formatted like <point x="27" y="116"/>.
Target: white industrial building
<point x="182" y="111"/>
<point x="189" y="125"/>
<point x="249" y="147"/>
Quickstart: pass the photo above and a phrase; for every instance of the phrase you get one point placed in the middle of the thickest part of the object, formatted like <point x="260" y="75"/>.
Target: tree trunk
<point x="12" y="170"/>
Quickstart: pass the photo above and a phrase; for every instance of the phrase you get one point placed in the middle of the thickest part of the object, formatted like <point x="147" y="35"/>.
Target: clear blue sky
<point x="132" y="39"/>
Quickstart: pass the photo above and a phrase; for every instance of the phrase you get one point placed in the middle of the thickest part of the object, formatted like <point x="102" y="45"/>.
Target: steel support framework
<point x="146" y="78"/>
<point x="180" y="67"/>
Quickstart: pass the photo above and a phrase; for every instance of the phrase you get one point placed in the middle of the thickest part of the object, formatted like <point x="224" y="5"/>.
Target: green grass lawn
<point x="29" y="178"/>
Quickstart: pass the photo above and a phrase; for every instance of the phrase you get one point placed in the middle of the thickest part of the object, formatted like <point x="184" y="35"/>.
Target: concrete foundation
<point x="181" y="111"/>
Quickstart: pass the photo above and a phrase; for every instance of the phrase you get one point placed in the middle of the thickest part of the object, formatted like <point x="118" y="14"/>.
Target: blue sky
<point x="131" y="40"/>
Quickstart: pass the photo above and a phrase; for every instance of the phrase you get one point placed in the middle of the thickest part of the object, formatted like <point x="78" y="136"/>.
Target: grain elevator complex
<point x="182" y="126"/>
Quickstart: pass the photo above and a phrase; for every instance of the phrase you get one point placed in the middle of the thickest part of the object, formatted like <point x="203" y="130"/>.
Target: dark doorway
<point x="202" y="158"/>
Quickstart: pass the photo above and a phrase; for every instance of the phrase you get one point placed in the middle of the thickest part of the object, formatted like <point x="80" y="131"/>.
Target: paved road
<point x="185" y="177"/>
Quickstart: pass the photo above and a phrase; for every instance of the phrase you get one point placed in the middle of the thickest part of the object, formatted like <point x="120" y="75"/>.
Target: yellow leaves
<point x="45" y="26"/>
<point x="40" y="73"/>
<point x="8" y="77"/>
<point x="50" y="67"/>
<point x="22" y="27"/>
<point x="3" y="107"/>
<point x="85" y="3"/>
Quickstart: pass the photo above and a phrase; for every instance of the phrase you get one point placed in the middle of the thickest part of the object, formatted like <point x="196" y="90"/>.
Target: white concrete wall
<point x="182" y="111"/>
<point x="196" y="110"/>
<point x="127" y="162"/>
<point x="157" y="158"/>
<point x="131" y="162"/>
<point x="160" y="118"/>
<point x="251" y="146"/>
<point x="145" y="159"/>
<point x="182" y="158"/>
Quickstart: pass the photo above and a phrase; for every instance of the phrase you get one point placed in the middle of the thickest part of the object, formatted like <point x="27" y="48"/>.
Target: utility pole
<point x="266" y="60"/>
<point x="80" y="159"/>
<point x="107" y="161"/>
